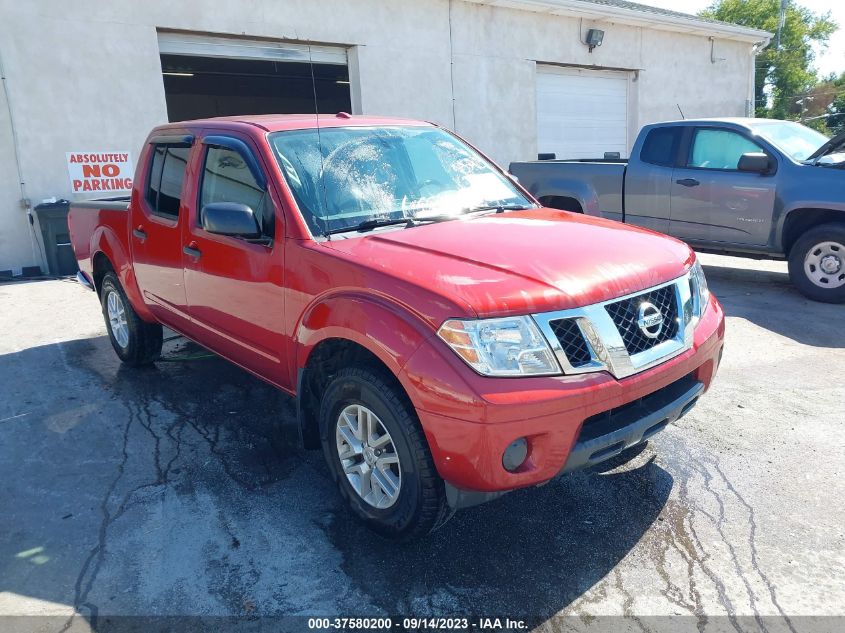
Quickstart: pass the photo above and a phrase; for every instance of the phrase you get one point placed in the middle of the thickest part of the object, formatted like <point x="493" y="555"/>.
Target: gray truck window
<point x="226" y="178"/>
<point x="661" y="146"/>
<point x="719" y="149"/>
<point x="796" y="140"/>
<point x="167" y="173"/>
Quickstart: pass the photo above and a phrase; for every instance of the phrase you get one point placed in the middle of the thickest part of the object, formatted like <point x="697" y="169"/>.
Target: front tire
<point x="136" y="342"/>
<point x="378" y="456"/>
<point x="817" y="263"/>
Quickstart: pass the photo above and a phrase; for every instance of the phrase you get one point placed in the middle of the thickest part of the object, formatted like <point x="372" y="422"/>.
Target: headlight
<point x="511" y="346"/>
<point x="700" y="291"/>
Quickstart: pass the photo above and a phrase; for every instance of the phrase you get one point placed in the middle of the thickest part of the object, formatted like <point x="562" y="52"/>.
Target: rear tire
<point x="817" y="263"/>
<point x="392" y="458"/>
<point x="136" y="342"/>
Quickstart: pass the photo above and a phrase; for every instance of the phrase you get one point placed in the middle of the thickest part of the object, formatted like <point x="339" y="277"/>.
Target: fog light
<point x="515" y="454"/>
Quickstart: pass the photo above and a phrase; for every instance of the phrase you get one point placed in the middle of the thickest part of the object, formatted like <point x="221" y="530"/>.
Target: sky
<point x="827" y="61"/>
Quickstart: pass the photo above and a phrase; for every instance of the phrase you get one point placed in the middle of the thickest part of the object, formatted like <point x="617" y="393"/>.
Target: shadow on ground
<point x="530" y="553"/>
<point x="768" y="299"/>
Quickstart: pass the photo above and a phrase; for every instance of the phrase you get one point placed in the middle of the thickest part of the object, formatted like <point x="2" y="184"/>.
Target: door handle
<point x="688" y="182"/>
<point x="139" y="232"/>
<point x="192" y="251"/>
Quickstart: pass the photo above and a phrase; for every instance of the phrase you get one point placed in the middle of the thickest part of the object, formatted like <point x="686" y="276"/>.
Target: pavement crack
<point x="95" y="557"/>
<point x="752" y="543"/>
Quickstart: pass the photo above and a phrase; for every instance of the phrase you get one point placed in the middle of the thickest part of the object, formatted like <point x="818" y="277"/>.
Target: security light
<point x="594" y="38"/>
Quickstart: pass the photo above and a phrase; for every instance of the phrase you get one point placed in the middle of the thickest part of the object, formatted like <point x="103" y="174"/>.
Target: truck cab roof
<point x="281" y="122"/>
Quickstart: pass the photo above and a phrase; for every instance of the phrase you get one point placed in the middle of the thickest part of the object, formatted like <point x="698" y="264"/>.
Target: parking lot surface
<point x="180" y="490"/>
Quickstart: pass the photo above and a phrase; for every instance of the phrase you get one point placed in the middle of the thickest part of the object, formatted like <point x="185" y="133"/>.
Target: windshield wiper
<point x="369" y="225"/>
<point x="374" y="223"/>
<point x="498" y="208"/>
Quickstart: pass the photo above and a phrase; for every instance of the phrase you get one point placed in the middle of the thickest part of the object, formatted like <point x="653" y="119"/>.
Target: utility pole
<point x="781" y="22"/>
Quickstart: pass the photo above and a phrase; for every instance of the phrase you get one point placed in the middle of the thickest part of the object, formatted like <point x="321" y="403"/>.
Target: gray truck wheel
<point x="378" y="456"/>
<point x="136" y="342"/>
<point x="817" y="263"/>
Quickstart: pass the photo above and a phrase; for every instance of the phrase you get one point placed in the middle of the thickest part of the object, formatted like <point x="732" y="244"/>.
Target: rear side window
<point x="227" y="178"/>
<point x="167" y="173"/>
<point x="661" y="146"/>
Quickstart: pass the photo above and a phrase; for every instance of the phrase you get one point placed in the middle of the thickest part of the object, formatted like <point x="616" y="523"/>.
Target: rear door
<point x="235" y="286"/>
<point x="156" y="233"/>
<point x="714" y="202"/>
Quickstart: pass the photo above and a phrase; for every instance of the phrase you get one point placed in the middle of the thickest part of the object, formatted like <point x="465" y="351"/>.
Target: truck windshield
<point x="796" y="140"/>
<point x="375" y="174"/>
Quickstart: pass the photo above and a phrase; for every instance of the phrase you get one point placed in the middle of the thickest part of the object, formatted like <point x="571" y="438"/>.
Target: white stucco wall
<point x="87" y="76"/>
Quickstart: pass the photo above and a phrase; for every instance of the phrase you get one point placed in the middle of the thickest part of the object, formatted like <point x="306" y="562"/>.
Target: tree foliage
<point x="835" y="110"/>
<point x="784" y="72"/>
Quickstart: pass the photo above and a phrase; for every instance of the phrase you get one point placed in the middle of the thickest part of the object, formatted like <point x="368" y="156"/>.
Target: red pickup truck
<point x="447" y="339"/>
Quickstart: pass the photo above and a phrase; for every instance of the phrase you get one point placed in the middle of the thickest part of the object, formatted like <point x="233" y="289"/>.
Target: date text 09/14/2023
<point x="418" y="624"/>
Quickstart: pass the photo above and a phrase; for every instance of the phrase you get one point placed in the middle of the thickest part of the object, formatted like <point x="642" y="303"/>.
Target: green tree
<point x="836" y="120"/>
<point x="784" y="71"/>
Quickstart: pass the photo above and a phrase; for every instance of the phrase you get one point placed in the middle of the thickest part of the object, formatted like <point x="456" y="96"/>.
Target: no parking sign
<point x="99" y="171"/>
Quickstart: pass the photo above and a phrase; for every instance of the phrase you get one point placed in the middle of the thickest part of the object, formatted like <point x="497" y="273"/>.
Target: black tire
<point x="144" y="340"/>
<point x="421" y="503"/>
<point x="807" y="244"/>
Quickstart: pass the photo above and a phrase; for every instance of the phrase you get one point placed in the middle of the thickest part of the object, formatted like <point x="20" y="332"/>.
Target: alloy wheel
<point x="368" y="456"/>
<point x="117" y="319"/>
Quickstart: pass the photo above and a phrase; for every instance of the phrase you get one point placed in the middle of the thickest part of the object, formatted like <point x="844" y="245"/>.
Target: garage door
<point x="216" y="76"/>
<point x="581" y="113"/>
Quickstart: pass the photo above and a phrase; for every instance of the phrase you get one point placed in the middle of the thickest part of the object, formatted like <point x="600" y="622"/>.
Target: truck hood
<point x="523" y="262"/>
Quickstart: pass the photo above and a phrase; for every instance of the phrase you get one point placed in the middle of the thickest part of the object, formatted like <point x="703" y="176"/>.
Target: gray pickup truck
<point x="754" y="187"/>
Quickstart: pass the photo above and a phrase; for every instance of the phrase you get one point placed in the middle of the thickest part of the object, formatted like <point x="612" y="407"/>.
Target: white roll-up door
<point x="581" y="113"/>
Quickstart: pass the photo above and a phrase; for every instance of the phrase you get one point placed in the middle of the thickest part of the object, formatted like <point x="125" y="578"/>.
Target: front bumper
<point x="608" y="434"/>
<point x="570" y="422"/>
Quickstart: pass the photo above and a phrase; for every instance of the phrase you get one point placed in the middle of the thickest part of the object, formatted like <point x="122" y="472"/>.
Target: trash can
<point x="52" y="220"/>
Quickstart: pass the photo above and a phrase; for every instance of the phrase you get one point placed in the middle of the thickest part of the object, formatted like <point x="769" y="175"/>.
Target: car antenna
<point x="319" y="147"/>
<point x="681" y="111"/>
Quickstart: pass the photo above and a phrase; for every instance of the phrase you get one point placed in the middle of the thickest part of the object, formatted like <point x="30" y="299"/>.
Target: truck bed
<point x="596" y="185"/>
<point x="98" y="225"/>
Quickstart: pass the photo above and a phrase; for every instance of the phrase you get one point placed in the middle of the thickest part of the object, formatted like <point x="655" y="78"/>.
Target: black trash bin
<point x="52" y="219"/>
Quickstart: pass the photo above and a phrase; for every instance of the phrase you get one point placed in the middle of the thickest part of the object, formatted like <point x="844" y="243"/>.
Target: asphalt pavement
<point x="180" y="490"/>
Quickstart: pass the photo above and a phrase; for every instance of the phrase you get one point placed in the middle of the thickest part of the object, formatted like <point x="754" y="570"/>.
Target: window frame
<point x="688" y="144"/>
<point x="243" y="150"/>
<point x="186" y="142"/>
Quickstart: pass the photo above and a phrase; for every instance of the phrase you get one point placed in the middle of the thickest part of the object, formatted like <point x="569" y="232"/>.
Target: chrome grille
<point x="572" y="341"/>
<point x="624" y="314"/>
<point x="606" y="336"/>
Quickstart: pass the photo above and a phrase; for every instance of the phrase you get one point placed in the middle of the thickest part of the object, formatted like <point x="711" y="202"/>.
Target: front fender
<point x="385" y="329"/>
<point x="798" y="207"/>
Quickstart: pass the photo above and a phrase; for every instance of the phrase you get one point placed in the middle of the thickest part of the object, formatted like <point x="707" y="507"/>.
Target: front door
<point x="156" y="232"/>
<point x="714" y="202"/>
<point x="235" y="286"/>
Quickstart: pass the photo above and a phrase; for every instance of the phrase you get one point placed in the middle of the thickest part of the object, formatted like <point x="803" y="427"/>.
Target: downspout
<point x="24" y="200"/>
<point x="752" y="89"/>
<point x="452" y="69"/>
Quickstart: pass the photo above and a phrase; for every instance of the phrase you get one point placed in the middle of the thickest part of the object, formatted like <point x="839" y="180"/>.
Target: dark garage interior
<point x="199" y="87"/>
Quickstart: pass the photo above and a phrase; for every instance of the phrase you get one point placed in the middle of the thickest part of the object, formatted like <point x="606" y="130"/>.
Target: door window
<point x="227" y="178"/>
<point x="167" y="173"/>
<point x="719" y="149"/>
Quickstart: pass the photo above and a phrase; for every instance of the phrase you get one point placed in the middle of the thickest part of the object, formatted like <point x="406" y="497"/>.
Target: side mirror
<point x="230" y="218"/>
<point x="757" y="162"/>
